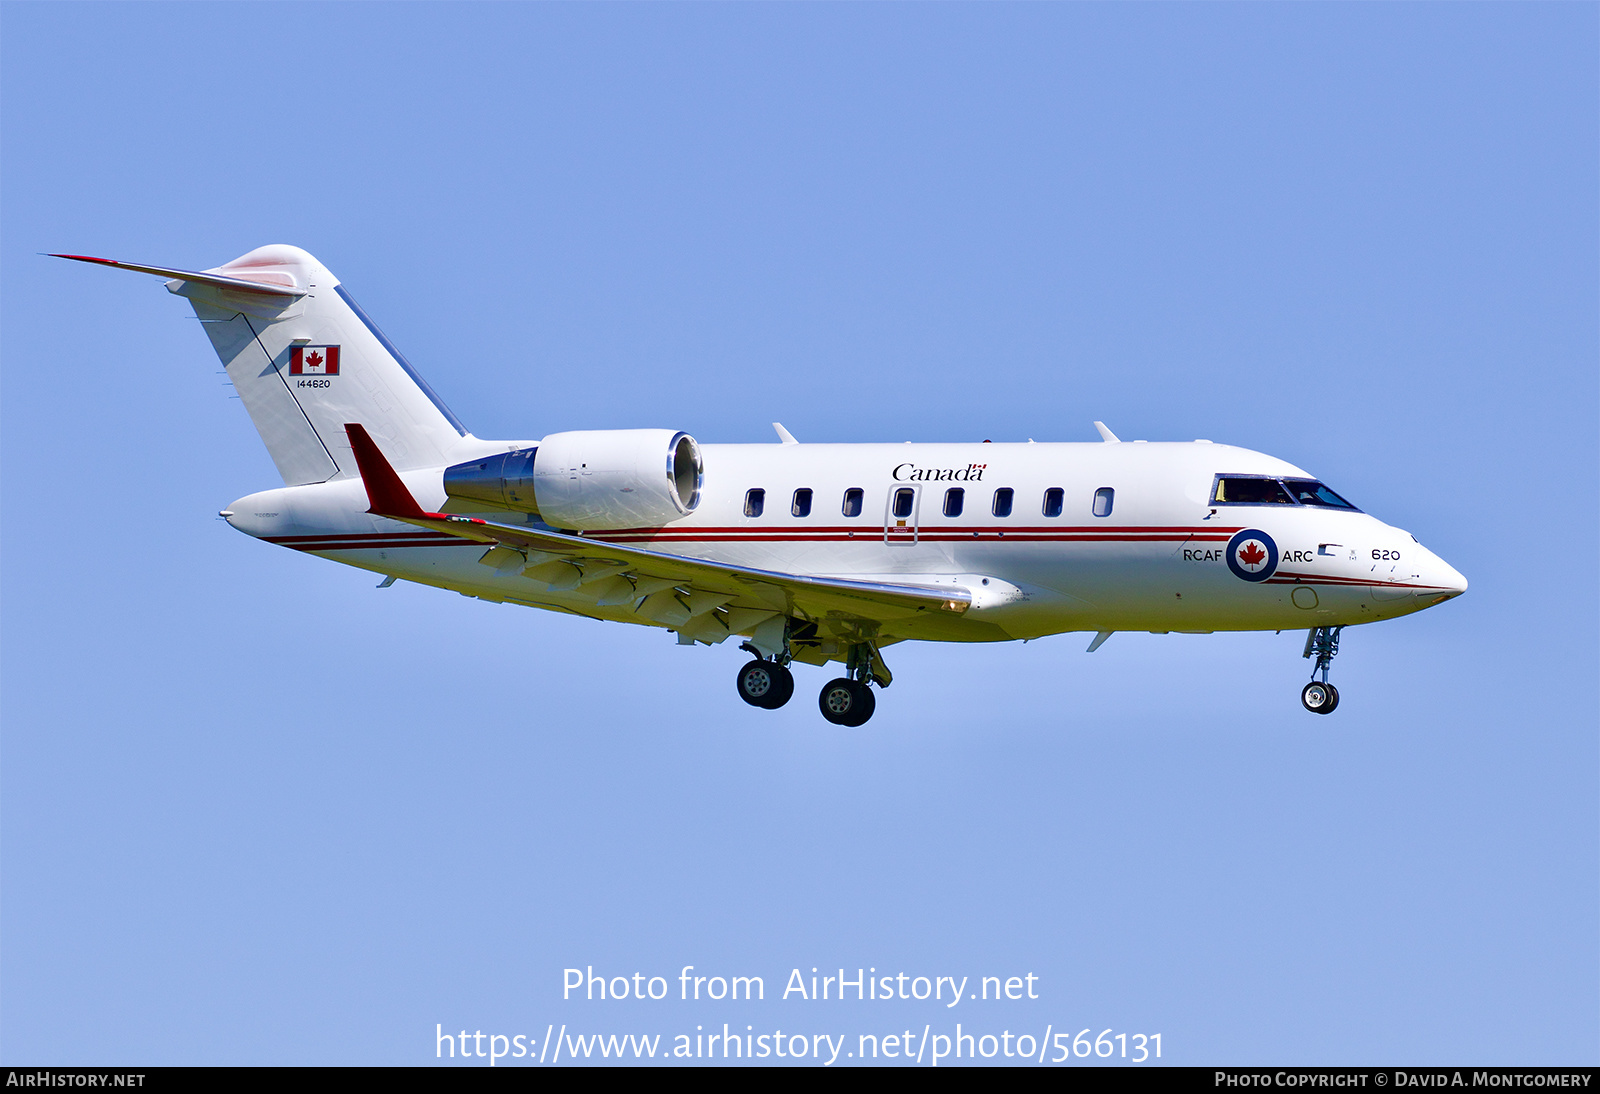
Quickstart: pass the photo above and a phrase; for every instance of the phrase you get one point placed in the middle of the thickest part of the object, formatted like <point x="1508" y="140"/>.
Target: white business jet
<point x="802" y="552"/>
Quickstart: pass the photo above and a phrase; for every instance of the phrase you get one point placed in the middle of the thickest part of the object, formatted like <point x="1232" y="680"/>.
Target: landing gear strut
<point x="848" y="701"/>
<point x="763" y="683"/>
<point x="1319" y="696"/>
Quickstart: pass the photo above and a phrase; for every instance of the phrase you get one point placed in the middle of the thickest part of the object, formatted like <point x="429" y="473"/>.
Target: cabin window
<point x="1052" y="501"/>
<point x="1002" y="501"/>
<point x="852" y="502"/>
<point x="754" y="502"/>
<point x="1104" y="498"/>
<point x="903" y="499"/>
<point x="801" y="506"/>
<point x="1312" y="492"/>
<point x="1232" y="490"/>
<point x="954" y="499"/>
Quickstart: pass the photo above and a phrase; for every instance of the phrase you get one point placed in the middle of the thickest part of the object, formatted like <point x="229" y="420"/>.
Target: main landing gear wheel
<point x="846" y="702"/>
<point x="765" y="684"/>
<point x="1319" y="698"/>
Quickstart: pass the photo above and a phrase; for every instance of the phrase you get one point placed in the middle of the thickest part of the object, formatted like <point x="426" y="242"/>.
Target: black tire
<point x="867" y="704"/>
<point x="839" y="701"/>
<point x="782" y="686"/>
<point x="758" y="681"/>
<point x="1319" y="698"/>
<point x="846" y="702"/>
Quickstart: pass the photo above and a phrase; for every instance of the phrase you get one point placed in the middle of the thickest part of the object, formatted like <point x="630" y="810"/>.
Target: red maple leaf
<point x="315" y="359"/>
<point x="1252" y="554"/>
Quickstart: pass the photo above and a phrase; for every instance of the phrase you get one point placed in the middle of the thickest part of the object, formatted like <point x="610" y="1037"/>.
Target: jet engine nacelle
<point x="591" y="480"/>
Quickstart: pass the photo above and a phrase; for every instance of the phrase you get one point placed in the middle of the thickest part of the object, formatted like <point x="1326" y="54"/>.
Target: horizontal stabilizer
<point x="268" y="285"/>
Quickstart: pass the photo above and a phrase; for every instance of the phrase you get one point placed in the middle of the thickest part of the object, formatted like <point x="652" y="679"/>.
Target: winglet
<point x="386" y="493"/>
<point x="784" y="436"/>
<point x="1106" y="434"/>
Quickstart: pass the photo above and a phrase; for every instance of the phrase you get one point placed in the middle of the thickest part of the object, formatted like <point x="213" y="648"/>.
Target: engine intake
<point x="591" y="480"/>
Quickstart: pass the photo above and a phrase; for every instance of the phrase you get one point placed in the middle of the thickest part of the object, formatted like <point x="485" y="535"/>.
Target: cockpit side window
<point x="1312" y="492"/>
<point x="1240" y="490"/>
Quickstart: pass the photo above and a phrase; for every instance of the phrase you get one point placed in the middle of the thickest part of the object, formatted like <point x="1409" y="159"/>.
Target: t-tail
<point x="305" y="359"/>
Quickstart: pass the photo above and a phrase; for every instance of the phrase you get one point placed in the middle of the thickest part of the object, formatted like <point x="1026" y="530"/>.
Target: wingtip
<point x="387" y="495"/>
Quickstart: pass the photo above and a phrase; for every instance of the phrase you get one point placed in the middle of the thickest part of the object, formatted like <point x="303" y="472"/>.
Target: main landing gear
<point x="1319" y="696"/>
<point x="846" y="702"/>
<point x="763" y="683"/>
<point x="767" y="682"/>
<point x="849" y="701"/>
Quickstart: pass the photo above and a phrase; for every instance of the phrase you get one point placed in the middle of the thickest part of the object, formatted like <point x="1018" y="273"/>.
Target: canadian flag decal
<point x="314" y="361"/>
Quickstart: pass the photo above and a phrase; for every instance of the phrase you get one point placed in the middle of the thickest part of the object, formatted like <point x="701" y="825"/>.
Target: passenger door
<point x="900" y="516"/>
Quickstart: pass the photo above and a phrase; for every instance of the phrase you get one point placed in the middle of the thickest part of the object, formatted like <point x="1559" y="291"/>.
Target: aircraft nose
<point x="1447" y="577"/>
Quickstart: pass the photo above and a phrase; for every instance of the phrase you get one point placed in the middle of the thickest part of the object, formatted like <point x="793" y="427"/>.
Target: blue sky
<point x="255" y="811"/>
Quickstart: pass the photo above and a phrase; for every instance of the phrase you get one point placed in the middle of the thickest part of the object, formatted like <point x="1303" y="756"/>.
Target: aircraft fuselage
<point x="1156" y="561"/>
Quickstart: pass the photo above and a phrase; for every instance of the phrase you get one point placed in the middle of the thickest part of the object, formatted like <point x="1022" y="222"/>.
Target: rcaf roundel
<point x="314" y="361"/>
<point x="1252" y="555"/>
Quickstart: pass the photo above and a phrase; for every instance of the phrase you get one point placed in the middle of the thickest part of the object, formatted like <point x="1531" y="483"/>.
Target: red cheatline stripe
<point x="865" y="536"/>
<point x="868" y="537"/>
<point x="899" y="533"/>
<point x="1346" y="582"/>
<point x="867" y="528"/>
<point x="1290" y="575"/>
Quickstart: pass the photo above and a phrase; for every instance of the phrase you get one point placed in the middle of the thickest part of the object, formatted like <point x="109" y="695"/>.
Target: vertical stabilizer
<point x="304" y="365"/>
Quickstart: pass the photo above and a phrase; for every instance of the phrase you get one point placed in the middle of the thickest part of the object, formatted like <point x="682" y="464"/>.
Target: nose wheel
<point x="1319" y="696"/>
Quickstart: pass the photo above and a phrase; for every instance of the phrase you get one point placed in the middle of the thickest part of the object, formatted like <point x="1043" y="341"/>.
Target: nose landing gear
<point x="1319" y="696"/>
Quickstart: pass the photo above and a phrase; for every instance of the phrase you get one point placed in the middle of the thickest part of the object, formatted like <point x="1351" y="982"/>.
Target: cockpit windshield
<point x="1312" y="492"/>
<point x="1262" y="490"/>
